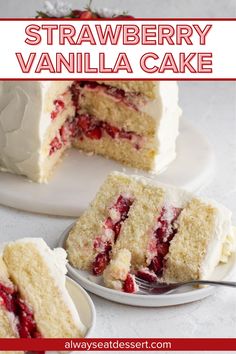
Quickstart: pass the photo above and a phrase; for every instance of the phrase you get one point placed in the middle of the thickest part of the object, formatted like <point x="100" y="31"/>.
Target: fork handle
<point x="212" y="282"/>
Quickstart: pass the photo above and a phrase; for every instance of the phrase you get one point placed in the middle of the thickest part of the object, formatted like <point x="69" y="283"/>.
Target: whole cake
<point x="134" y="226"/>
<point x="34" y="302"/>
<point x="135" y="123"/>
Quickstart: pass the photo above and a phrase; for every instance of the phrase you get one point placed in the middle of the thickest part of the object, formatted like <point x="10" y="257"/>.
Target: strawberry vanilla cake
<point x="133" y="122"/>
<point x="158" y="232"/>
<point x="34" y="302"/>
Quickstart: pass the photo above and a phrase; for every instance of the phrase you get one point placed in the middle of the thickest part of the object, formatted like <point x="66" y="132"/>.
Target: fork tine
<point x="142" y="286"/>
<point x="151" y="284"/>
<point x="154" y="287"/>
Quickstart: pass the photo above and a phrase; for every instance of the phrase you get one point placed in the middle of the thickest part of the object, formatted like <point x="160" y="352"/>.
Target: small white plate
<point x="84" y="306"/>
<point x="181" y="296"/>
<point x="79" y="176"/>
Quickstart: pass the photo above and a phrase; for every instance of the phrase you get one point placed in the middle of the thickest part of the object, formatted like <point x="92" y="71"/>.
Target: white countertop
<point x="211" y="107"/>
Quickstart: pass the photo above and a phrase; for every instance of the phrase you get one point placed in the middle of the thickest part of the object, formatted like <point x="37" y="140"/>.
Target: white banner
<point x="134" y="49"/>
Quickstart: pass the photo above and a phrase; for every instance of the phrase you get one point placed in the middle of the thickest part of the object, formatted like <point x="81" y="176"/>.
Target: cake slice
<point x="40" y="305"/>
<point x="164" y="233"/>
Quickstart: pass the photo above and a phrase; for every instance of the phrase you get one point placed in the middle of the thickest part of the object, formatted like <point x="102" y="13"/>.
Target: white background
<point x="211" y="107"/>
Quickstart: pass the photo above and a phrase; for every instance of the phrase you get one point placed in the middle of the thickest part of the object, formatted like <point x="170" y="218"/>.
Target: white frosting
<point x="222" y="243"/>
<point x="24" y="119"/>
<point x="57" y="9"/>
<point x="56" y="262"/>
<point x="105" y="12"/>
<point x="165" y="109"/>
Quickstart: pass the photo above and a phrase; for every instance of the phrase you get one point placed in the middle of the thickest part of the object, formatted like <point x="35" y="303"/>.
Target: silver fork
<point x="164" y="288"/>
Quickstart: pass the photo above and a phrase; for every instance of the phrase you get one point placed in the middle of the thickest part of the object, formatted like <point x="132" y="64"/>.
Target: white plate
<point x="84" y="306"/>
<point x="79" y="177"/>
<point x="181" y="296"/>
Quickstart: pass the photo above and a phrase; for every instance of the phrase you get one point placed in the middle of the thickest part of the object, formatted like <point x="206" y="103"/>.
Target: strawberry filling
<point x="163" y="234"/>
<point x="118" y="213"/>
<point x="92" y="128"/>
<point x="147" y="275"/>
<point x="62" y="139"/>
<point x="129" y="285"/>
<point x="10" y="299"/>
<point x="59" y="105"/>
<point x="88" y="126"/>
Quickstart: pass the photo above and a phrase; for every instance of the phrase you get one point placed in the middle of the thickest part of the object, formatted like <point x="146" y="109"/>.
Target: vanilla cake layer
<point x="117" y="270"/>
<point x="121" y="150"/>
<point x="170" y="233"/>
<point x="39" y="275"/>
<point x="146" y="88"/>
<point x="210" y="224"/>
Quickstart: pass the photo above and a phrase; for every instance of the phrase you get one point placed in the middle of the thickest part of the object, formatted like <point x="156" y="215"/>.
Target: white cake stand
<point x="79" y="177"/>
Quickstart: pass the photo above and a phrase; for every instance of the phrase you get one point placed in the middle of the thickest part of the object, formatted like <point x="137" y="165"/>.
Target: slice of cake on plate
<point x="135" y="226"/>
<point x="134" y="123"/>
<point x="35" y="302"/>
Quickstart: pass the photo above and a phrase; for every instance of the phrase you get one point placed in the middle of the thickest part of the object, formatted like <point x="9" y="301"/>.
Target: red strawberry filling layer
<point x="10" y="299"/>
<point x="86" y="126"/>
<point x="59" y="105"/>
<point x="163" y="234"/>
<point x="61" y="140"/>
<point x="130" y="285"/>
<point x="90" y="127"/>
<point x="118" y="213"/>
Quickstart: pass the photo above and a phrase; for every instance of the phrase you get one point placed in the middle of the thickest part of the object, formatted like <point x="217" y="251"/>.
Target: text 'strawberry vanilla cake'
<point x="135" y="123"/>
<point x="34" y="302"/>
<point x="158" y="232"/>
